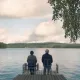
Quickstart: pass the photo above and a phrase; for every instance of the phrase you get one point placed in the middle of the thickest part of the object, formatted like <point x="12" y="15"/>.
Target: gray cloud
<point x="48" y="32"/>
<point x="24" y="8"/>
<point x="45" y="32"/>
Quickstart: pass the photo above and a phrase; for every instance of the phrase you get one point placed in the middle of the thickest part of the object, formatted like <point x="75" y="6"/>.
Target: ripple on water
<point x="68" y="60"/>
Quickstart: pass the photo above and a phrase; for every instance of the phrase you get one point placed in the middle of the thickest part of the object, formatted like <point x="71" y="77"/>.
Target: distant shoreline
<point x="43" y="45"/>
<point x="39" y="45"/>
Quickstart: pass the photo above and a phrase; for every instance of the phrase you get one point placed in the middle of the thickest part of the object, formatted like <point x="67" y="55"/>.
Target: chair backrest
<point x="25" y="67"/>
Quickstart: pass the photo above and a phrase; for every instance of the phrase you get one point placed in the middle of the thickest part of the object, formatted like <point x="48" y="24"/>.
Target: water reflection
<point x="11" y="61"/>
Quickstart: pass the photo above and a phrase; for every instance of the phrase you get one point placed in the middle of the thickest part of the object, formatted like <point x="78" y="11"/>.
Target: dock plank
<point x="20" y="77"/>
<point x="40" y="77"/>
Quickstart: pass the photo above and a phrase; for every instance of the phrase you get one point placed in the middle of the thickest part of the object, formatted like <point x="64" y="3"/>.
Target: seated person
<point x="32" y="60"/>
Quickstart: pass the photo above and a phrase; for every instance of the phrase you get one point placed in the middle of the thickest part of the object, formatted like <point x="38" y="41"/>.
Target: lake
<point x="12" y="59"/>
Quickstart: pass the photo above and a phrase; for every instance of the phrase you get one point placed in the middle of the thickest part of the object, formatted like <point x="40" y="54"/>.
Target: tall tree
<point x="69" y="12"/>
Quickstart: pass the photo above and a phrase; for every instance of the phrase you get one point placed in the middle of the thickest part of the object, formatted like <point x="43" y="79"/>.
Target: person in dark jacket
<point x="47" y="61"/>
<point x="32" y="60"/>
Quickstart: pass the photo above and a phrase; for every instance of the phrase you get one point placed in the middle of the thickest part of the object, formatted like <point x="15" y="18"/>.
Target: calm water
<point x="11" y="61"/>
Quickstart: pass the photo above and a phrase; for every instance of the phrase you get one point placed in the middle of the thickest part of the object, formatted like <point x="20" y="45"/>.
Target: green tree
<point x="2" y="45"/>
<point x="68" y="11"/>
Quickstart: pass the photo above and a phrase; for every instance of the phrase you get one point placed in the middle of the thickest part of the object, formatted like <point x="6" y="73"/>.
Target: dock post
<point x="37" y="67"/>
<point x="25" y="67"/>
<point x="57" y="68"/>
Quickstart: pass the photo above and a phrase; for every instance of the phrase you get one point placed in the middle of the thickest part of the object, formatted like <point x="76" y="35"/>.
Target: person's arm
<point x="35" y="59"/>
<point x="51" y="59"/>
<point x="42" y="59"/>
<point x="28" y="59"/>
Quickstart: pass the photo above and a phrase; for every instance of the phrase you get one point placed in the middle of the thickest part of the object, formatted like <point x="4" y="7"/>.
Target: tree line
<point x="43" y="45"/>
<point x="3" y="45"/>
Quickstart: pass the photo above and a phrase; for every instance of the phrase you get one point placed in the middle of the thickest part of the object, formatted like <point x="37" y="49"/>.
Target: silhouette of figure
<point x="32" y="60"/>
<point x="47" y="61"/>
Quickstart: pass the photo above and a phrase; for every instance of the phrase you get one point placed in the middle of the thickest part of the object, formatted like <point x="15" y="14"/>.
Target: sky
<point x="29" y="21"/>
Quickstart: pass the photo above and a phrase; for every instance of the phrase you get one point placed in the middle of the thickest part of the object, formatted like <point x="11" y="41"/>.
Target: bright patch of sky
<point x="18" y="26"/>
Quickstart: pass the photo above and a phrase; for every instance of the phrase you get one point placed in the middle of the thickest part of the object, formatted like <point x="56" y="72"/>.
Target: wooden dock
<point x="40" y="77"/>
<point x="54" y="75"/>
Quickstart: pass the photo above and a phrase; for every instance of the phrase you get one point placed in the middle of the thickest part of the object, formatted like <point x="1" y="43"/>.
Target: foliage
<point x="2" y="45"/>
<point x="42" y="45"/>
<point x="69" y="12"/>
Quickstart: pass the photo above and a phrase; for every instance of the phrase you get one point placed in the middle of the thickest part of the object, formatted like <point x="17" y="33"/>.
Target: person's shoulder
<point x="43" y="54"/>
<point x="29" y="56"/>
<point x="34" y="56"/>
<point x="50" y="55"/>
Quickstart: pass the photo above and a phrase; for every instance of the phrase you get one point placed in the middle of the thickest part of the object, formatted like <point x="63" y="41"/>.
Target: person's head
<point x="46" y="51"/>
<point x="31" y="52"/>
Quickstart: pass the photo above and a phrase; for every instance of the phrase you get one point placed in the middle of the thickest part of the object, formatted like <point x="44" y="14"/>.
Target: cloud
<point x="15" y="39"/>
<point x="3" y="35"/>
<point x="24" y="8"/>
<point x="45" y="32"/>
<point x="7" y="37"/>
<point x="48" y="29"/>
<point x="19" y="38"/>
<point x="48" y="32"/>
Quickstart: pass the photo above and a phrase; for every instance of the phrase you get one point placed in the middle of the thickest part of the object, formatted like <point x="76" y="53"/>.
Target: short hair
<point x="47" y="51"/>
<point x="31" y="52"/>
